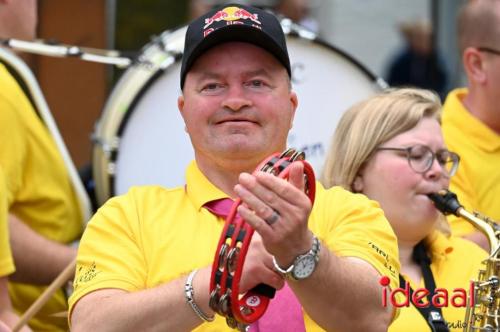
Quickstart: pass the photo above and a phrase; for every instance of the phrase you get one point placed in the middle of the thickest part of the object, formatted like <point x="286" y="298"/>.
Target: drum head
<point x="142" y="137"/>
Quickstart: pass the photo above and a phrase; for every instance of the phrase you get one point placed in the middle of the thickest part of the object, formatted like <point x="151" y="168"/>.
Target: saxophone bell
<point x="483" y="306"/>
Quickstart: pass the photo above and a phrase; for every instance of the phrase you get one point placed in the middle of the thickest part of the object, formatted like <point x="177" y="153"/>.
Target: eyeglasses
<point x="421" y="158"/>
<point x="489" y="50"/>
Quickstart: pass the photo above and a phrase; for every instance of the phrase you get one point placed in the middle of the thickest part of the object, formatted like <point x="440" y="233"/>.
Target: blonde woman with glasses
<point x="391" y="149"/>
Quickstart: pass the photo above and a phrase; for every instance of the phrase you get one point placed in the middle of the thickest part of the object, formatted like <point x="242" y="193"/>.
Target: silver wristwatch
<point x="303" y="265"/>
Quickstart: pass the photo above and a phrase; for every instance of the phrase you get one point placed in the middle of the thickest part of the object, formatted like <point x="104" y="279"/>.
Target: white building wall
<point x="367" y="29"/>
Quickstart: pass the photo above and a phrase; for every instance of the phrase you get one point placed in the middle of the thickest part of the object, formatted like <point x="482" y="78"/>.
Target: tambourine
<point x="233" y="245"/>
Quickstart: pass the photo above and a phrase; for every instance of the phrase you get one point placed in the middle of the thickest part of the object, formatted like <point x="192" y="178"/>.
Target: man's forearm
<point x="162" y="308"/>
<point x="10" y="319"/>
<point x="38" y="260"/>
<point x="343" y="294"/>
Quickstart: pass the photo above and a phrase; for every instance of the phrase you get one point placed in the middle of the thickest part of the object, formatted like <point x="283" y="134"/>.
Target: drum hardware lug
<point x="167" y="62"/>
<point x="115" y="143"/>
<point x="96" y="140"/>
<point x="160" y="40"/>
<point x="289" y="27"/>
<point x="142" y="61"/>
<point x="111" y="168"/>
<point x="106" y="147"/>
<point x="286" y="25"/>
<point x="306" y="34"/>
<point x="381" y="83"/>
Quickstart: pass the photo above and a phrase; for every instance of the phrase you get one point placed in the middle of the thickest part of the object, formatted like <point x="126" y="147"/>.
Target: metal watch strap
<point x="281" y="270"/>
<point x="314" y="251"/>
<point x="189" y="293"/>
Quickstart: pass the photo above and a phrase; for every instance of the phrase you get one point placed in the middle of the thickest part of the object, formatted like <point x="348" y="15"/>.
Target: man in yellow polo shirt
<point x="44" y="213"/>
<point x="138" y="250"/>
<point x="471" y="117"/>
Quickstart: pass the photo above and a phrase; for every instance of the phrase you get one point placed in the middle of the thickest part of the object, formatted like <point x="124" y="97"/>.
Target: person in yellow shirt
<point x="471" y="118"/>
<point x="144" y="254"/>
<point x="391" y="149"/>
<point x="43" y="210"/>
<point x="7" y="315"/>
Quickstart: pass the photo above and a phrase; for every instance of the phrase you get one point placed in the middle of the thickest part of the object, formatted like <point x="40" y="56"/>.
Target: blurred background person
<point x="391" y="149"/>
<point x="471" y="116"/>
<point x="418" y="64"/>
<point x="298" y="11"/>
<point x="43" y="209"/>
<point x="198" y="7"/>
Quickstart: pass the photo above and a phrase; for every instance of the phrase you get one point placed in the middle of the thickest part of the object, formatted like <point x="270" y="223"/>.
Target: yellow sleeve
<point x="13" y="136"/>
<point x="360" y="230"/>
<point x="110" y="253"/>
<point x="6" y="262"/>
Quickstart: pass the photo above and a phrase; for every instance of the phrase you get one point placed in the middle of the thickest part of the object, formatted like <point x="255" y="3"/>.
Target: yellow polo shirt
<point x="153" y="235"/>
<point x="6" y="262"/>
<point x="454" y="262"/>
<point x="477" y="182"/>
<point x="39" y="191"/>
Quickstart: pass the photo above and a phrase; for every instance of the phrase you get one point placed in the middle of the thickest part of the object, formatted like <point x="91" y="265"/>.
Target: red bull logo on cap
<point x="232" y="15"/>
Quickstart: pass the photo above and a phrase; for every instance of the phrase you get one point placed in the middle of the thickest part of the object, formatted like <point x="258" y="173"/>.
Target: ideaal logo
<point x="441" y="297"/>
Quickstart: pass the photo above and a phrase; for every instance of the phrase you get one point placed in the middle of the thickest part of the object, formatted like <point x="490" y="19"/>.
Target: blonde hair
<point x="370" y="123"/>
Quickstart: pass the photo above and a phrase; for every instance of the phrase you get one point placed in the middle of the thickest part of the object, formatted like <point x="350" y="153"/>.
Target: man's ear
<point x="294" y="102"/>
<point x="357" y="184"/>
<point x="180" y="106"/>
<point x="473" y="62"/>
<point x="180" y="101"/>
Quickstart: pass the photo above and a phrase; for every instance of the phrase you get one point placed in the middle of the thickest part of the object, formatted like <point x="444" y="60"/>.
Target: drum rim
<point x="113" y="157"/>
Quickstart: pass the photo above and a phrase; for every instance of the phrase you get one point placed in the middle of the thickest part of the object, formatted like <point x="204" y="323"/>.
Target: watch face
<point x="304" y="267"/>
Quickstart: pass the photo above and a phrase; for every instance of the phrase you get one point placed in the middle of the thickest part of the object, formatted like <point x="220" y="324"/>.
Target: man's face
<point x="491" y="61"/>
<point x="237" y="103"/>
<point x="492" y="71"/>
<point x="19" y="19"/>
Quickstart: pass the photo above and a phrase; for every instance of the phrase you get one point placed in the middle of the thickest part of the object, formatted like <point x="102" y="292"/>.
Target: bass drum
<point x="140" y="138"/>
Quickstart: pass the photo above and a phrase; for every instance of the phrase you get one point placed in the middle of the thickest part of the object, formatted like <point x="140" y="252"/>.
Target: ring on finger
<point x="273" y="218"/>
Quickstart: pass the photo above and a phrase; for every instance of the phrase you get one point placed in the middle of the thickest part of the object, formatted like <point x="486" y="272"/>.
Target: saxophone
<point x="484" y="314"/>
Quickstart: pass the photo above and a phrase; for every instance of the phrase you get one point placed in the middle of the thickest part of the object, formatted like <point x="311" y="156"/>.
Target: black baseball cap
<point x="234" y="22"/>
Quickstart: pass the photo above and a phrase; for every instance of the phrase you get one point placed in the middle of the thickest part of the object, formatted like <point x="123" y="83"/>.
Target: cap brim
<point x="242" y="33"/>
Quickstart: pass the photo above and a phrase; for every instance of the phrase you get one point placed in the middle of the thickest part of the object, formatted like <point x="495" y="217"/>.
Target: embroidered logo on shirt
<point x="382" y="253"/>
<point x="86" y="273"/>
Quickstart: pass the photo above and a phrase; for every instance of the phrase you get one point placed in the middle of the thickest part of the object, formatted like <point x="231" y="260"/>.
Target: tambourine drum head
<point x="154" y="148"/>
